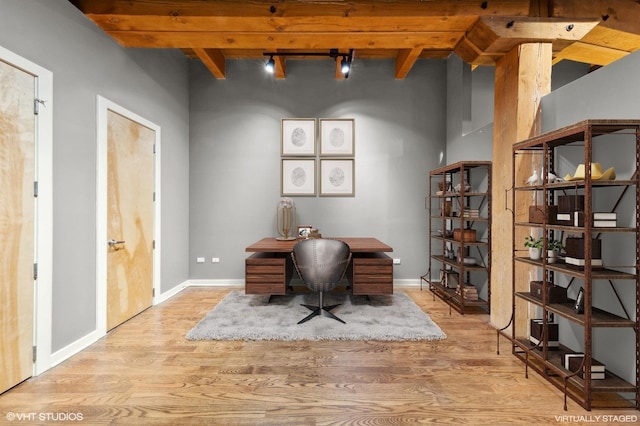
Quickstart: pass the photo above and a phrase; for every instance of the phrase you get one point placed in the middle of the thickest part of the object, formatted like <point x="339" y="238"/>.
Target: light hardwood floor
<point x="145" y="372"/>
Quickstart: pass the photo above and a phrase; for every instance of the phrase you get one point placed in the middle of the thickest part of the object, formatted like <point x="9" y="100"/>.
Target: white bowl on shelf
<point x="469" y="261"/>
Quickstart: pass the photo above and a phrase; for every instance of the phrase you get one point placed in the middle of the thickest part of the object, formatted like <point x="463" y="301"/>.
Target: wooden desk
<point x="270" y="268"/>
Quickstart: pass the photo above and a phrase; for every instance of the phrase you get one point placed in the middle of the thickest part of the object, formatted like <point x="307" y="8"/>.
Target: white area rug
<point x="250" y="317"/>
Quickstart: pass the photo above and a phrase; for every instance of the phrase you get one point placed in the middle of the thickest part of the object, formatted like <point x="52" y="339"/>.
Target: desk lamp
<point x="286" y="219"/>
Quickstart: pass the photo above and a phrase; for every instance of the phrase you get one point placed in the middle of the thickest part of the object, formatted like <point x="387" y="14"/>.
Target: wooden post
<point x="522" y="77"/>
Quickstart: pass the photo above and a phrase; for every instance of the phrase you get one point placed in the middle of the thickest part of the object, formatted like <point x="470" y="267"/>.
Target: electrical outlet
<point x="215" y="260"/>
<point x="396" y="261"/>
<point x="200" y="260"/>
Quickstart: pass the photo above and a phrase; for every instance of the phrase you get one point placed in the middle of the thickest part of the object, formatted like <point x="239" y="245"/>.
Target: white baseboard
<point x="170" y="293"/>
<point x="215" y="283"/>
<point x="407" y="283"/>
<point x="74" y="347"/>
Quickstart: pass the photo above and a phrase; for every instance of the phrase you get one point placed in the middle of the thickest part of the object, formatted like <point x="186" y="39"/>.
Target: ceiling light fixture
<point x="270" y="66"/>
<point x="345" y="66"/>
<point x="345" y="63"/>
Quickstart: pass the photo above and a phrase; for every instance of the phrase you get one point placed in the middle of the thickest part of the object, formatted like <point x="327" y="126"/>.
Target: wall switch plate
<point x="396" y="261"/>
<point x="215" y="260"/>
<point x="200" y="260"/>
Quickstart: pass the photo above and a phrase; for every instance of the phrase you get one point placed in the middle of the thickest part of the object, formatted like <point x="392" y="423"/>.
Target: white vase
<point x="535" y="253"/>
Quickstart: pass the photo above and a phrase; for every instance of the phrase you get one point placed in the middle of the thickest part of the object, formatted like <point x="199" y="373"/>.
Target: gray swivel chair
<point x="321" y="264"/>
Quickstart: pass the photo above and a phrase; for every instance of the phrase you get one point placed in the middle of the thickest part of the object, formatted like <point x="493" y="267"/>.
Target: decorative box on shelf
<point x="573" y="361"/>
<point x="536" y="214"/>
<point x="467" y="235"/>
<point x="555" y="293"/>
<point x="536" y="337"/>
<point x="575" y="255"/>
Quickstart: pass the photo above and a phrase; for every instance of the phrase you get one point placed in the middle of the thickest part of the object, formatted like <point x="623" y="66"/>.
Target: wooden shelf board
<point x="450" y="295"/>
<point x="576" y="229"/>
<point x="579" y="272"/>
<point x="599" y="318"/>
<point x="458" y="265"/>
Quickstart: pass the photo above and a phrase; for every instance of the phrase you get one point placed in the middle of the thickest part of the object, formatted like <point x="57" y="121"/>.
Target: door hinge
<point x="154" y="148"/>
<point x="35" y="271"/>
<point x="35" y="189"/>
<point x="153" y="245"/>
<point x="36" y="105"/>
<point x="153" y="292"/>
<point x="35" y="353"/>
<point x="154" y="197"/>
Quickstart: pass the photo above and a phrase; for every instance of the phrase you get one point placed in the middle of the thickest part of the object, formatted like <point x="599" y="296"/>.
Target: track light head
<point x="345" y="65"/>
<point x="270" y="65"/>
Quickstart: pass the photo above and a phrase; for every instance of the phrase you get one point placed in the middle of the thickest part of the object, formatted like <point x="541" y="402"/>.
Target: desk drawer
<point x="372" y="274"/>
<point x="267" y="273"/>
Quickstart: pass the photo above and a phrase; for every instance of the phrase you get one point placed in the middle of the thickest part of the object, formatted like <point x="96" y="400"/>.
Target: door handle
<point x="113" y="242"/>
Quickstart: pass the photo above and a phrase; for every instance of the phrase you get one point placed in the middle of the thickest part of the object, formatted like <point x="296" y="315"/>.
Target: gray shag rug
<point x="250" y="317"/>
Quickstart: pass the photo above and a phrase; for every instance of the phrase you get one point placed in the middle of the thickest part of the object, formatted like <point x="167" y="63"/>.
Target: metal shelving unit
<point x="469" y="209"/>
<point x="612" y="391"/>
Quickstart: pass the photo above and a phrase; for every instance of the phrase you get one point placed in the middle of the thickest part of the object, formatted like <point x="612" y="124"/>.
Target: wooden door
<point x="130" y="207"/>
<point x="17" y="176"/>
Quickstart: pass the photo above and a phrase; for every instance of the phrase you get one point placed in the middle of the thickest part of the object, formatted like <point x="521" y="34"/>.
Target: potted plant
<point x="553" y="248"/>
<point x="535" y="247"/>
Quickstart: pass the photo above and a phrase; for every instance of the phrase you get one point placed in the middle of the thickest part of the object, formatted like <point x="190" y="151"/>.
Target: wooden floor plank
<point x="146" y="372"/>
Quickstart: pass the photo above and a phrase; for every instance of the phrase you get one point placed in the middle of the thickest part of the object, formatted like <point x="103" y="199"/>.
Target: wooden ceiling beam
<point x="282" y="25"/>
<point x="493" y="37"/>
<point x="620" y="15"/>
<point x="270" y="41"/>
<point x="280" y="70"/>
<point x="178" y="9"/>
<point x="214" y="60"/>
<point x="405" y="60"/>
<point x="589" y="54"/>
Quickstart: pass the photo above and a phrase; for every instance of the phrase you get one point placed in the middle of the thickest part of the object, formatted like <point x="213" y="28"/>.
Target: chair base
<point x="319" y="311"/>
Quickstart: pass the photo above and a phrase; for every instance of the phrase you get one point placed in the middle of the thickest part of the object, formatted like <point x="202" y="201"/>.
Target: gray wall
<point x="235" y="156"/>
<point x="153" y="84"/>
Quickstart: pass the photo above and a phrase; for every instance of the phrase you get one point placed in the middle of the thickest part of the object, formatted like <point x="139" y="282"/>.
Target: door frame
<point x="43" y="217"/>
<point x="103" y="106"/>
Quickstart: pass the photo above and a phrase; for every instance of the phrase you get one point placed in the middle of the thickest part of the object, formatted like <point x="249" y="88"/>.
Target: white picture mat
<point x="337" y="177"/>
<point x="298" y="177"/>
<point x="337" y="136"/>
<point x="298" y="136"/>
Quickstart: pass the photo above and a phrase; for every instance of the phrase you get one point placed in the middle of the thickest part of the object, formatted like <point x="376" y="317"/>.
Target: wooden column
<point x="522" y="77"/>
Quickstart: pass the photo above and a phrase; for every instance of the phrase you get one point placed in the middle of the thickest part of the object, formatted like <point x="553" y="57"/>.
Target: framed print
<point x="337" y="177"/>
<point x="303" y="231"/>
<point x="298" y="176"/>
<point x="298" y="136"/>
<point x="337" y="137"/>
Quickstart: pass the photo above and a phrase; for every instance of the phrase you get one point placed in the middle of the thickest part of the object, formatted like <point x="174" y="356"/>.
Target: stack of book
<point x="468" y="292"/>
<point x="605" y="220"/>
<point x="572" y="362"/>
<point x="471" y="213"/>
<point x="600" y="219"/>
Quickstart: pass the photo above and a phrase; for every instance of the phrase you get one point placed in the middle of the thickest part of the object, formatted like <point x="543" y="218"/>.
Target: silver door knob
<point x="113" y="242"/>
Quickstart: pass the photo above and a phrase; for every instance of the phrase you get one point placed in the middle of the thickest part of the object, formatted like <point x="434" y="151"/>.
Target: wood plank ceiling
<point x="596" y="32"/>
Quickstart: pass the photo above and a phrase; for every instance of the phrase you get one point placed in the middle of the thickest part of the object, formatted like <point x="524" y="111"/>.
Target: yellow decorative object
<point x="596" y="173"/>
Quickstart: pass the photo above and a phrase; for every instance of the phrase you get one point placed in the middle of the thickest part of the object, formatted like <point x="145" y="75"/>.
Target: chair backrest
<point x="321" y="263"/>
